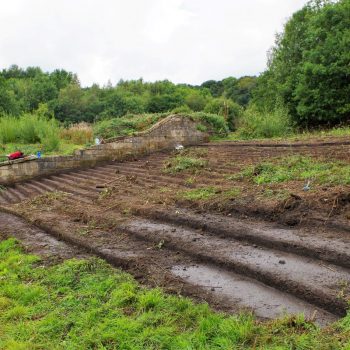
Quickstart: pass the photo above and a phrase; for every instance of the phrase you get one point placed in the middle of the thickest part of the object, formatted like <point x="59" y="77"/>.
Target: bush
<point x="182" y="109"/>
<point x="308" y="69"/>
<point x="214" y="124"/>
<point x="9" y="131"/>
<point x="182" y="163"/>
<point x="196" y="101"/>
<point x="226" y="108"/>
<point x="256" y="124"/>
<point x="30" y="128"/>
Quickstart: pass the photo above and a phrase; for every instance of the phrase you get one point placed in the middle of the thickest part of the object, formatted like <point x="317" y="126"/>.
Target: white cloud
<point x="182" y="40"/>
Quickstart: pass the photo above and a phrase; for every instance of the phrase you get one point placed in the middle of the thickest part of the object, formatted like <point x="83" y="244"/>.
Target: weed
<point x="202" y="128"/>
<point x="78" y="134"/>
<point x="126" y="212"/>
<point x="190" y="180"/>
<point x="294" y="168"/>
<point x="105" y="193"/>
<point x="198" y="194"/>
<point x="182" y="163"/>
<point x="232" y="193"/>
<point x="275" y="193"/>
<point x="255" y="124"/>
<point x="47" y="198"/>
<point x="30" y="128"/>
<point x="164" y="189"/>
<point x="215" y="124"/>
<point x="82" y="231"/>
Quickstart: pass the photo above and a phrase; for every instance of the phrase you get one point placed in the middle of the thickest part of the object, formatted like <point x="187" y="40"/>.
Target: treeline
<point x="309" y="67"/>
<point x="306" y="85"/>
<point x="27" y="90"/>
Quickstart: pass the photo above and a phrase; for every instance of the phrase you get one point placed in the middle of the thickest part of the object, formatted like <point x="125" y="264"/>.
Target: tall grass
<point x="257" y="124"/>
<point x="78" y="134"/>
<point x="30" y="128"/>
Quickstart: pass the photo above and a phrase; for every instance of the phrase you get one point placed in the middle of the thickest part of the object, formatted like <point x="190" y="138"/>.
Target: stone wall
<point x="161" y="136"/>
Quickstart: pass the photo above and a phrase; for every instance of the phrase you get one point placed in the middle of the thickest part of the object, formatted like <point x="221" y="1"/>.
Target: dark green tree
<point x="309" y="67"/>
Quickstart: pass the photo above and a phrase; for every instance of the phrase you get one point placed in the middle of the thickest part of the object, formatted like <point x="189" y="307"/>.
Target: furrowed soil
<point x="193" y="224"/>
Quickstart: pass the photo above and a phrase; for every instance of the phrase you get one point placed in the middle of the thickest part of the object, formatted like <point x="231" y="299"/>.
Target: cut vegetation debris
<point x="207" y="193"/>
<point x="183" y="163"/>
<point x="294" y="168"/>
<point x="86" y="304"/>
<point x="199" y="194"/>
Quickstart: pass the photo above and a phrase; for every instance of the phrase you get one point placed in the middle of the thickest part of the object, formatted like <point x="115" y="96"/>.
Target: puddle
<point x="264" y="301"/>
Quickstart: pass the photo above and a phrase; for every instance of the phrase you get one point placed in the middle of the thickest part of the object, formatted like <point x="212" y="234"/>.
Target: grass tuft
<point x="198" y="194"/>
<point x="294" y="168"/>
<point x="183" y="163"/>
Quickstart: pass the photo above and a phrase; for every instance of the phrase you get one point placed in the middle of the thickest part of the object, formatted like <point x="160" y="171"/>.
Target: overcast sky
<point x="187" y="41"/>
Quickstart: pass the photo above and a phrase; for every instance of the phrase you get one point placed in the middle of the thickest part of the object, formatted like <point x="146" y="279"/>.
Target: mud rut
<point x="229" y="261"/>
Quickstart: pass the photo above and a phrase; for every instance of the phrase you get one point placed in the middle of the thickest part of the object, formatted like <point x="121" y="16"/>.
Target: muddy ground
<point x="273" y="252"/>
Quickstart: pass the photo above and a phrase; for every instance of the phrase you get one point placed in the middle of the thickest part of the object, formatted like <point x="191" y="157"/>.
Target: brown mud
<point x="237" y="250"/>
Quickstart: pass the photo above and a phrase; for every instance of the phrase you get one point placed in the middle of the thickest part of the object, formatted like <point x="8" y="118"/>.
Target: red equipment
<point x="15" y="155"/>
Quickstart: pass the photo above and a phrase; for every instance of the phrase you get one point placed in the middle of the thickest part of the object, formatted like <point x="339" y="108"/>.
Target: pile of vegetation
<point x="86" y="304"/>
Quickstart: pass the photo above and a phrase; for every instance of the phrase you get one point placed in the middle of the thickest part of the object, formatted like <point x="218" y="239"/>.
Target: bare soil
<point x="237" y="249"/>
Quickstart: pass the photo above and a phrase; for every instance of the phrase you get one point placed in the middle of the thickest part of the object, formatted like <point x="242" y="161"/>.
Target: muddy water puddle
<point x="264" y="301"/>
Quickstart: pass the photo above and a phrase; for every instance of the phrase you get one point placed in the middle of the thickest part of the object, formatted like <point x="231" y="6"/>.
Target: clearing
<point x="245" y="226"/>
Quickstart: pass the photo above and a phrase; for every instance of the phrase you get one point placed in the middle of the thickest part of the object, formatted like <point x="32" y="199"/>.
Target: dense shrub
<point x="309" y="70"/>
<point x="214" y="124"/>
<point x="257" y="124"/>
<point x="29" y="128"/>
<point x="226" y="108"/>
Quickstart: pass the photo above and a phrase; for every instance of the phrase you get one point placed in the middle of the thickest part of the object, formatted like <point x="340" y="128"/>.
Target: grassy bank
<point x="31" y="133"/>
<point x="86" y="304"/>
<point x="133" y="123"/>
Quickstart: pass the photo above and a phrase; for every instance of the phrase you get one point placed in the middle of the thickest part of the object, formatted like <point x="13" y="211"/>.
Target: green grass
<point x="184" y="163"/>
<point x="86" y="304"/>
<point x="28" y="129"/>
<point x="31" y="133"/>
<point x="205" y="193"/>
<point x="257" y="124"/>
<point x="198" y="194"/>
<point x="290" y="136"/>
<point x="64" y="148"/>
<point x="297" y="168"/>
